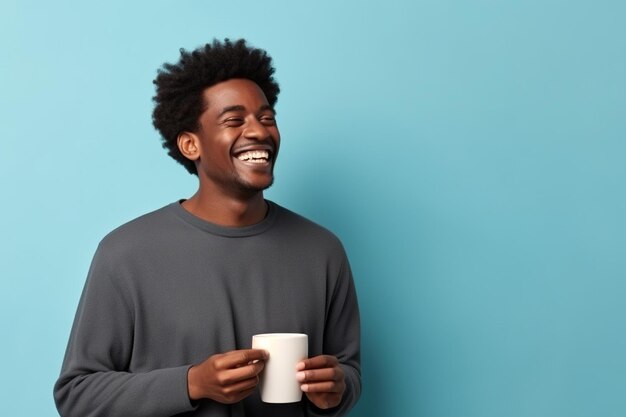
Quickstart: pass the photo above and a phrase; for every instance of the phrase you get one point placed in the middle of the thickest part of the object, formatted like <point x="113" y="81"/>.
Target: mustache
<point x="244" y="145"/>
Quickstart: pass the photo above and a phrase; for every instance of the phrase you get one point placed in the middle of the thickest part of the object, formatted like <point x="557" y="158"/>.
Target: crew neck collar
<point x="225" y="231"/>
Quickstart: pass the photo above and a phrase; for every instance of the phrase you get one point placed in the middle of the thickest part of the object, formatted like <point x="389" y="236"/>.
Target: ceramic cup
<point x="278" y="383"/>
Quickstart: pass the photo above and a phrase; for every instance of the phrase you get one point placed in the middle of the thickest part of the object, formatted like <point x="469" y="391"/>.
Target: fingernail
<point x="304" y="387"/>
<point x="300" y="376"/>
<point x="300" y="366"/>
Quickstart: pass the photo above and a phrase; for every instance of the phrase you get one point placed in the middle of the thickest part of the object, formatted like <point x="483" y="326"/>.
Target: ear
<point x="189" y="145"/>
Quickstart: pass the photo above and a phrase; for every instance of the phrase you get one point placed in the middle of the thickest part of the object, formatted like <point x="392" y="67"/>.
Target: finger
<point x="321" y="361"/>
<point x="325" y="374"/>
<point x="233" y="394"/>
<point x="243" y="373"/>
<point x="242" y="386"/>
<point x="327" y="386"/>
<point x="240" y="357"/>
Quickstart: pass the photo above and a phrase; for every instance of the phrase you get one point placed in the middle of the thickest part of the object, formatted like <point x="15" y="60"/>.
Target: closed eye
<point x="233" y="121"/>
<point x="268" y="120"/>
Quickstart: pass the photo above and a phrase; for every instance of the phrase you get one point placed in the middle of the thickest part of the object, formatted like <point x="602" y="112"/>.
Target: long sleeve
<point x="342" y="339"/>
<point x="94" y="379"/>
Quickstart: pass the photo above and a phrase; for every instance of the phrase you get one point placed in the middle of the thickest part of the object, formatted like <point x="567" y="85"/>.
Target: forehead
<point x="234" y="92"/>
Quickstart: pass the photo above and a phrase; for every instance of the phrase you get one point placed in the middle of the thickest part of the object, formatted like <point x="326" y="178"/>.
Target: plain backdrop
<point x="470" y="155"/>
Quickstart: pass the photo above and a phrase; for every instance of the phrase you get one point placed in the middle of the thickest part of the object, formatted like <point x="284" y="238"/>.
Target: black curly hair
<point x="179" y="87"/>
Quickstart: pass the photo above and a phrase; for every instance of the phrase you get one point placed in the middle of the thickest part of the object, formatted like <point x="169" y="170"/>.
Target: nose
<point x="256" y="130"/>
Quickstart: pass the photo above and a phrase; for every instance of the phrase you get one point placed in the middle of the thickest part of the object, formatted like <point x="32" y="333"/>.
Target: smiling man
<point x="172" y="299"/>
<point x="234" y="149"/>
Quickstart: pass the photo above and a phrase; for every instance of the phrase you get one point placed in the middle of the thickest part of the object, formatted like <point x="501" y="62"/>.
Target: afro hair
<point x="179" y="87"/>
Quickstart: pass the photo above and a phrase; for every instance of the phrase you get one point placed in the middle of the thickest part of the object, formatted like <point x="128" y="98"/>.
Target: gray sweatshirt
<point x="168" y="290"/>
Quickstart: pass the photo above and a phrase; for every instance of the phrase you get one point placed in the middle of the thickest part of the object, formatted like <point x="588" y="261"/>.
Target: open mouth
<point x="255" y="156"/>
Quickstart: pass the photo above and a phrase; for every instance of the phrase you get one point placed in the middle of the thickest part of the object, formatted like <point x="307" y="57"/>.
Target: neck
<point x="227" y="211"/>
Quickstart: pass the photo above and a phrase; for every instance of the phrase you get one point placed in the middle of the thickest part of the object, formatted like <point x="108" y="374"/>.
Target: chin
<point x="251" y="188"/>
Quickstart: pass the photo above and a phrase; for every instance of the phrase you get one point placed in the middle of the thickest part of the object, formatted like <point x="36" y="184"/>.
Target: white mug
<point x="278" y="383"/>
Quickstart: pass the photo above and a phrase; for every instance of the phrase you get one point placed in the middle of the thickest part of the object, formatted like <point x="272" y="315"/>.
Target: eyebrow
<point x="239" y="107"/>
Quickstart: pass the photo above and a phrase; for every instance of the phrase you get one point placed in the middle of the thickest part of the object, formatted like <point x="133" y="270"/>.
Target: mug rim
<point x="280" y="335"/>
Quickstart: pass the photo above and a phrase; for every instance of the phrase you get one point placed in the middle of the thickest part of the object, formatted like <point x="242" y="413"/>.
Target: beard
<point x="242" y="188"/>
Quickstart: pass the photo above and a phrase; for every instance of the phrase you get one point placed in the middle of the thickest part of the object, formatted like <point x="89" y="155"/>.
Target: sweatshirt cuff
<point x="173" y="390"/>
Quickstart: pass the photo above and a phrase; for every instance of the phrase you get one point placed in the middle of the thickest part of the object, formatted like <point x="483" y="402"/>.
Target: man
<point x="173" y="298"/>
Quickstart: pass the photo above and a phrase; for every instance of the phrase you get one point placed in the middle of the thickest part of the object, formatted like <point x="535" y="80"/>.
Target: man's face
<point x="238" y="139"/>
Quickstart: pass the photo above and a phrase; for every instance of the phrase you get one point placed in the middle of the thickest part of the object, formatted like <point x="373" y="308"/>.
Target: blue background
<point x="470" y="154"/>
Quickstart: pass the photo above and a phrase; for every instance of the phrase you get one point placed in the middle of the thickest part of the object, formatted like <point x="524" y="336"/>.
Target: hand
<point x="322" y="380"/>
<point x="226" y="377"/>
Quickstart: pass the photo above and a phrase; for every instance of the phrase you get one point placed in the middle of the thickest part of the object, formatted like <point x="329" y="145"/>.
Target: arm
<point x="98" y="377"/>
<point x="94" y="379"/>
<point x="332" y="381"/>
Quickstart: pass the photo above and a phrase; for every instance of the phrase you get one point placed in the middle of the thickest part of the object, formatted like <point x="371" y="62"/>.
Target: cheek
<point x="224" y="143"/>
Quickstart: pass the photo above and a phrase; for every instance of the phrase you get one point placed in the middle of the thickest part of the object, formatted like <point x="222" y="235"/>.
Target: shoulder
<point x="313" y="245"/>
<point x="299" y="228"/>
<point x="139" y="233"/>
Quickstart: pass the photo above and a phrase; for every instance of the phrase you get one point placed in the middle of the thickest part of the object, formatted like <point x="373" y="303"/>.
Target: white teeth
<point x="254" y="156"/>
